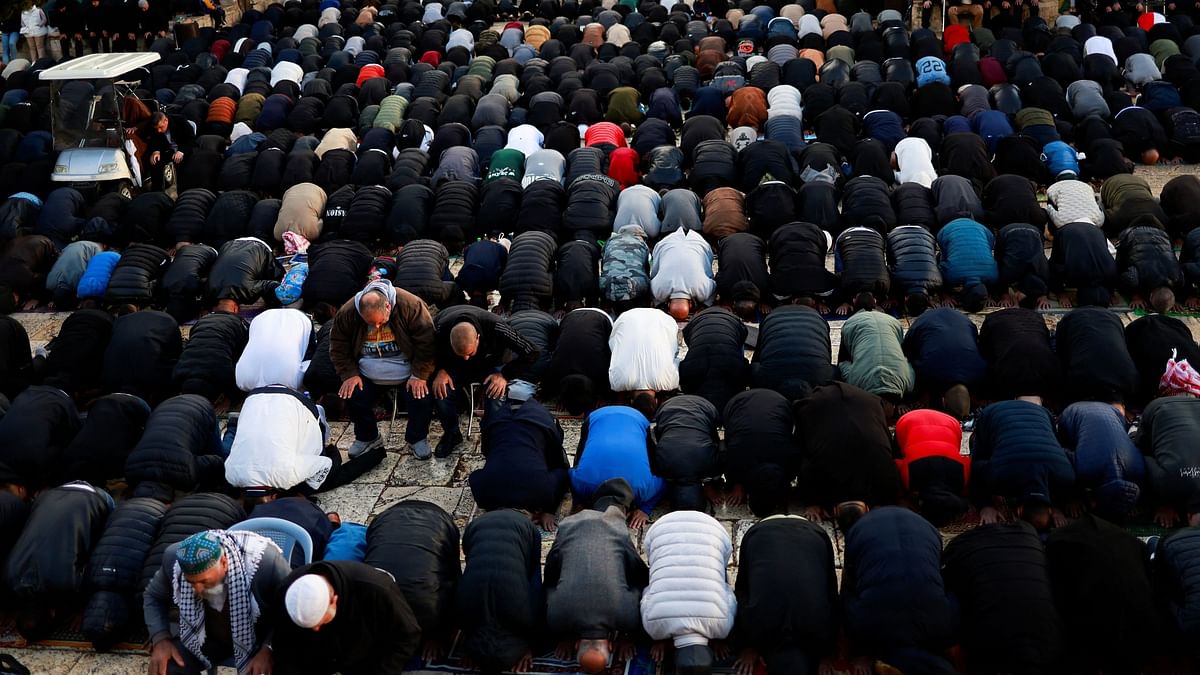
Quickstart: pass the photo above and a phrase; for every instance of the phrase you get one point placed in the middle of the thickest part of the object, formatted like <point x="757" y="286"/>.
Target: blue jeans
<point x="10" y="46"/>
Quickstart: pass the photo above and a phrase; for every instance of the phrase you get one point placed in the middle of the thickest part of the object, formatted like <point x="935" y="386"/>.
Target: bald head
<point x="464" y="340"/>
<point x="593" y="655"/>
<point x="373" y="307"/>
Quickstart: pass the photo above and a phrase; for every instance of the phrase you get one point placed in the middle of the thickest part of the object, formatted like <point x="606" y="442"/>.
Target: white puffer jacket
<point x="1072" y="201"/>
<point x="688" y="599"/>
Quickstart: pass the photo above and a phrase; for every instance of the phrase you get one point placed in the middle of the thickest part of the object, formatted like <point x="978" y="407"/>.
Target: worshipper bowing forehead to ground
<point x="343" y="617"/>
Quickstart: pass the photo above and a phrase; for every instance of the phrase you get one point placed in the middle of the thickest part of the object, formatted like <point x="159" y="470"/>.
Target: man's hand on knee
<point x="350" y="386"/>
<point x="495" y="385"/>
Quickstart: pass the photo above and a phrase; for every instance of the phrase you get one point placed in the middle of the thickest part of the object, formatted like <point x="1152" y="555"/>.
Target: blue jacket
<point x="885" y="126"/>
<point x="1106" y="459"/>
<point x="942" y="345"/>
<point x="94" y="281"/>
<point x="931" y="69"/>
<point x="1061" y="159"/>
<point x="892" y="588"/>
<point x="1014" y="453"/>
<point x="967" y="257"/>
<point x="614" y="445"/>
<point x="991" y="125"/>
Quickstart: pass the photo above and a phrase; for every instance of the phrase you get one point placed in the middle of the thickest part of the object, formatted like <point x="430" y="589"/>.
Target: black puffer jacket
<point x="409" y="217"/>
<point x="541" y="330"/>
<point x="245" y="271"/>
<point x="528" y="278"/>
<point x="150" y="339"/>
<point x="366" y="218"/>
<point x="798" y="260"/>
<point x="76" y="360"/>
<point x="206" y="365"/>
<point x="268" y="171"/>
<point x="912" y="256"/>
<point x="1016" y="345"/>
<point x="500" y="199"/>
<point x="452" y="218"/>
<point x="576" y="274"/>
<point x="229" y="217"/>
<point x="185" y="517"/>
<point x="180" y="448"/>
<point x="34" y="435"/>
<point x="793" y="353"/>
<point x="687" y="447"/>
<point x="1146" y="260"/>
<point x="1021" y="256"/>
<point x="863" y="257"/>
<point x="866" y="201"/>
<point x="115" y="568"/>
<point x="50" y="557"/>
<point x="114" y="425"/>
<point x="498" y="603"/>
<point x="417" y="543"/>
<point x="1001" y="579"/>
<point x="14" y="511"/>
<point x="135" y="279"/>
<point x="187" y="221"/>
<point x="914" y="206"/>
<point x="1177" y="572"/>
<point x="542" y="206"/>
<point x="715" y="366"/>
<point x="591" y="205"/>
<point x="336" y="271"/>
<point x="184" y="280"/>
<point x="147" y="216"/>
<point x="1090" y="343"/>
<point x="421" y="270"/>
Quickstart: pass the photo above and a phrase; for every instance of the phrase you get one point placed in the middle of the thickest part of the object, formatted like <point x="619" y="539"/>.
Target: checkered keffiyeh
<point x="1179" y="378"/>
<point x="243" y="552"/>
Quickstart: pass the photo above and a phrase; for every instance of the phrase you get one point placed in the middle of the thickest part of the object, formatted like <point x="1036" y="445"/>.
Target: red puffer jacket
<point x="922" y="434"/>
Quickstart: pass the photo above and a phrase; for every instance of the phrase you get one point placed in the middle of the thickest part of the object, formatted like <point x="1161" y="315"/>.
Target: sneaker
<point x="447" y="445"/>
<point x="359" y="447"/>
<point x="421" y="449"/>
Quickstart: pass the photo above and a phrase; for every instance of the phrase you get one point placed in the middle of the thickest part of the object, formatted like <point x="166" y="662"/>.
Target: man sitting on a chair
<point x="381" y="336"/>
<point x="279" y="446"/>
<point x="472" y="344"/>
<point x="223" y="584"/>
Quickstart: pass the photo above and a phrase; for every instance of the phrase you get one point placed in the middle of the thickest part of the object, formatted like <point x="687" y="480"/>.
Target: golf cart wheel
<point x="124" y="188"/>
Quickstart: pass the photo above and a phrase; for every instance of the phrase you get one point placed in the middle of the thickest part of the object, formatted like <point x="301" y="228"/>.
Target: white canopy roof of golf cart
<point x="99" y="66"/>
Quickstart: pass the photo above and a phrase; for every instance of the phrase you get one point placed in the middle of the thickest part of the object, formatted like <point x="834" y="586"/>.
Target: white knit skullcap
<point x="308" y="599"/>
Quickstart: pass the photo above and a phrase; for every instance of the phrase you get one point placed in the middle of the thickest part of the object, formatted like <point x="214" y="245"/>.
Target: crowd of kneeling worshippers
<point x="590" y="164"/>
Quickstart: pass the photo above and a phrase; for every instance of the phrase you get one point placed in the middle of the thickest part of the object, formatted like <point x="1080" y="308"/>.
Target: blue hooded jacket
<point x="616" y="446"/>
<point x="1106" y="459"/>
<point x="967" y="257"/>
<point x="94" y="281"/>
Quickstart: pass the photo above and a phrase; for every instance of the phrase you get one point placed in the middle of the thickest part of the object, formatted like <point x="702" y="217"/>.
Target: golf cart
<point x="86" y="97"/>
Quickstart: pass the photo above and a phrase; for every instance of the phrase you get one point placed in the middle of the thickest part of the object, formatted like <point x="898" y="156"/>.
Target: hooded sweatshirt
<point x="381" y="359"/>
<point x="915" y="159"/>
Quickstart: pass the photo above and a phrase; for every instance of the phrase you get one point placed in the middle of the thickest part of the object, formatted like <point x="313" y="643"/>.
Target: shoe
<point x="359" y="447"/>
<point x="447" y="445"/>
<point x="421" y="449"/>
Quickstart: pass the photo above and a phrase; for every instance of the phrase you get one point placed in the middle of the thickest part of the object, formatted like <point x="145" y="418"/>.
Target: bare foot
<point x="1064" y="301"/>
<point x="1043" y="302"/>
<point x="431" y="650"/>
<point x="1166" y="516"/>
<point x="565" y="650"/>
<point x="989" y="515"/>
<point x="736" y="496"/>
<point x="29" y="305"/>
<point x="843" y="309"/>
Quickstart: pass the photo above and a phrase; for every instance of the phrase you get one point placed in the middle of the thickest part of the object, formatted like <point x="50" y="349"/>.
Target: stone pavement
<point x="441" y="481"/>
